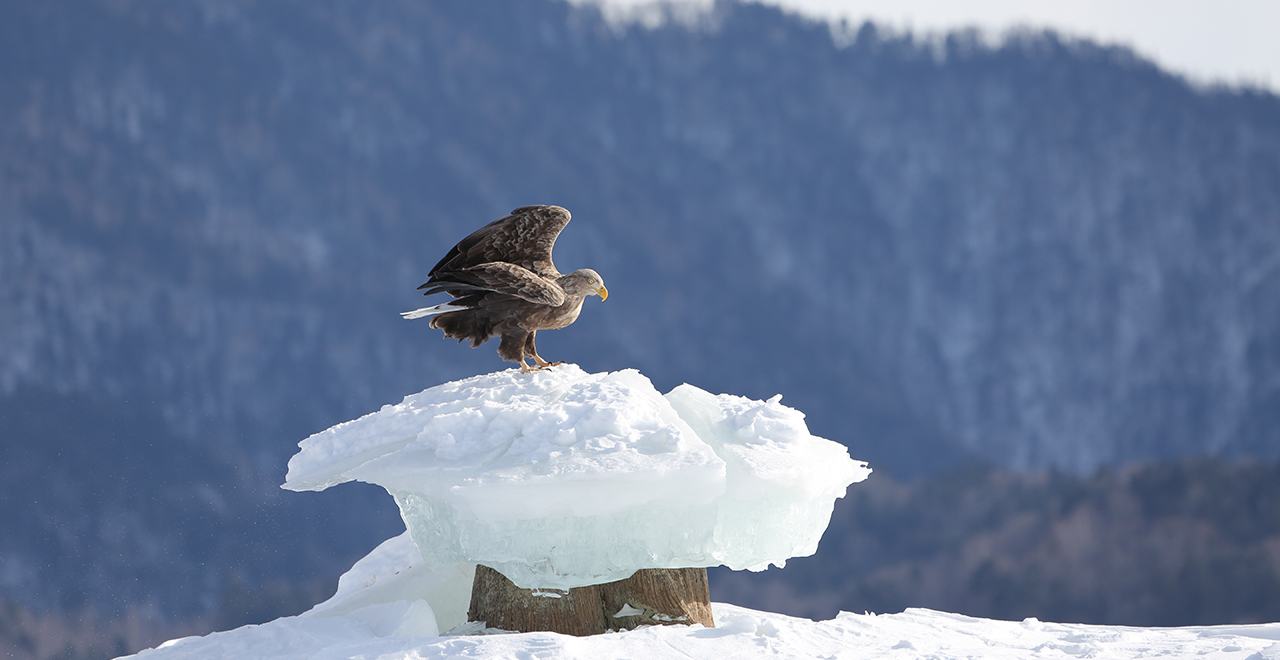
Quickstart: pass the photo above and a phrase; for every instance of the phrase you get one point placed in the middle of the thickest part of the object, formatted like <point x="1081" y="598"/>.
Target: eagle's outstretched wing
<point x="524" y="238"/>
<point x="504" y="278"/>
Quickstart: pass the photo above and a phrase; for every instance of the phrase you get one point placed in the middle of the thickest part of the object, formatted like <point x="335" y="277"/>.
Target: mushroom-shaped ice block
<point x="562" y="478"/>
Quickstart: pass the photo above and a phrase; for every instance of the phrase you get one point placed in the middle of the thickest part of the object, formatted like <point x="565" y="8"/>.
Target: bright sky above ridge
<point x="1225" y="41"/>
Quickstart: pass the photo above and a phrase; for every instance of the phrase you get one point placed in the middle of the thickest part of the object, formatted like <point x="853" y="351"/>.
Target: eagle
<point x="504" y="284"/>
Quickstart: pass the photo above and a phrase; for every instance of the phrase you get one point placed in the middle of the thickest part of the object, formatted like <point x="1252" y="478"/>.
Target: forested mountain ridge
<point x="1046" y="253"/>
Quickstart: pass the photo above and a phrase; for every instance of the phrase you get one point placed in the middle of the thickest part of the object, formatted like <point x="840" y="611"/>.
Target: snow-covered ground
<point x="744" y="633"/>
<point x="563" y="478"/>
<point x="377" y="615"/>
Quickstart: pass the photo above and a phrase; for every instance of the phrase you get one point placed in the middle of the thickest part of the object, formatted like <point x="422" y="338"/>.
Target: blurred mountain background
<point x="1035" y="284"/>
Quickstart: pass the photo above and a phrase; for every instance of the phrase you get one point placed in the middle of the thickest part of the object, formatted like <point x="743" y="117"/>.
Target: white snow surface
<point x="563" y="478"/>
<point x="379" y="614"/>
<point x="744" y="633"/>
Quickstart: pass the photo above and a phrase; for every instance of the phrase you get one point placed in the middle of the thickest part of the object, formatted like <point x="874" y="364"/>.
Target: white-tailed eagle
<point x="504" y="284"/>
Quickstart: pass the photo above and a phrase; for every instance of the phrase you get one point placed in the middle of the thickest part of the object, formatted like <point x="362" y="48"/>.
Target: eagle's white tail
<point x="432" y="311"/>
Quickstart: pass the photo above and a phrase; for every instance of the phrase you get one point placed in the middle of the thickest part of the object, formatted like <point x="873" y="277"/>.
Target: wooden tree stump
<point x="653" y="596"/>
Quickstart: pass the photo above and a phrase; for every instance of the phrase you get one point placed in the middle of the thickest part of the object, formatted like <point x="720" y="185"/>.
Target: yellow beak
<point x="604" y="293"/>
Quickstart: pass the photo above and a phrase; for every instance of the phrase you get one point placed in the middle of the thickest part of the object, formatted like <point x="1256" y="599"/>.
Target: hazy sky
<point x="1208" y="40"/>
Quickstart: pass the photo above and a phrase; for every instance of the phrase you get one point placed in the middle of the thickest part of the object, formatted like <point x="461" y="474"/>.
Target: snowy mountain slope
<point x="1044" y="254"/>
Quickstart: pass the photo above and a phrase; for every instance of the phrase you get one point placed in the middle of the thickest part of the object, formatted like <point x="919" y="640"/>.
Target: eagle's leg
<point x="532" y="351"/>
<point x="512" y="348"/>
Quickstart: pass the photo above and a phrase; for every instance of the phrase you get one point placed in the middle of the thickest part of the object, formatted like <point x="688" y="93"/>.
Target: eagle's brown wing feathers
<point x="504" y="278"/>
<point x="524" y="238"/>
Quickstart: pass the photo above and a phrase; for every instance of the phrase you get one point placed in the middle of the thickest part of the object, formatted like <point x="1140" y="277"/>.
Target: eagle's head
<point x="584" y="282"/>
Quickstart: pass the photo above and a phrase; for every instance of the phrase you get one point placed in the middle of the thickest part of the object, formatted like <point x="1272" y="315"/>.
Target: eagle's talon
<point x="543" y="363"/>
